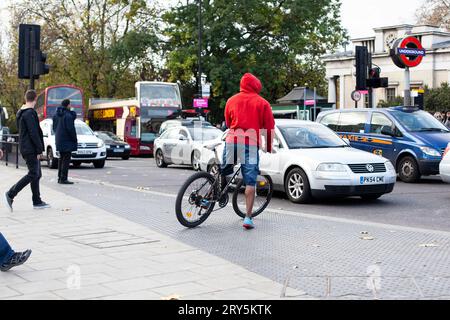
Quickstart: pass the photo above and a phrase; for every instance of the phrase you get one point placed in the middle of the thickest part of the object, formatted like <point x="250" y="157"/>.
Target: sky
<point x="359" y="17"/>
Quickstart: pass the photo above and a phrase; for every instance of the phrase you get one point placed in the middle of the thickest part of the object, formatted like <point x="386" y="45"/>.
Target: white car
<point x="90" y="148"/>
<point x="183" y="145"/>
<point x="311" y="161"/>
<point x="444" y="166"/>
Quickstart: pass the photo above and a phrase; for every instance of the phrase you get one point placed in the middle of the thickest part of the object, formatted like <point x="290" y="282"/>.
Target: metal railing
<point x="9" y="143"/>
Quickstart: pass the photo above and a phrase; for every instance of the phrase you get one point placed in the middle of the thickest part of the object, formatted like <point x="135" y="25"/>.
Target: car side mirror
<point x="387" y="131"/>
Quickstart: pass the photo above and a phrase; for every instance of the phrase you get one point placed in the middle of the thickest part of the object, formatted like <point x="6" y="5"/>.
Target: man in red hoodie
<point x="249" y="117"/>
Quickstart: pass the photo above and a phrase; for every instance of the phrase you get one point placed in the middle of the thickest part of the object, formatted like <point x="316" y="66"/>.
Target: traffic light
<point x="32" y="61"/>
<point x="40" y="68"/>
<point x="29" y="42"/>
<point x="375" y="81"/>
<point x="362" y="59"/>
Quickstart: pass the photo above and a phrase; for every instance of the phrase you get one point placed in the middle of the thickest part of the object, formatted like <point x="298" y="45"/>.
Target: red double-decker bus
<point x="52" y="97"/>
<point x="137" y="120"/>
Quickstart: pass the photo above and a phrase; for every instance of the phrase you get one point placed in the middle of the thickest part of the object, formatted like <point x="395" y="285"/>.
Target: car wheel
<point x="160" y="159"/>
<point x="371" y="197"/>
<point x="52" y="163"/>
<point x="408" y="170"/>
<point x="297" y="186"/>
<point x="195" y="160"/>
<point x="99" y="164"/>
<point x="76" y="164"/>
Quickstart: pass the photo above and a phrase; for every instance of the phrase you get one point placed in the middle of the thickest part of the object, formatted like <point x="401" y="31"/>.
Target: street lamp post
<point x="200" y="27"/>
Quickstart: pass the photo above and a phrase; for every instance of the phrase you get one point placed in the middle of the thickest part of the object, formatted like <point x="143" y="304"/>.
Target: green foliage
<point x="397" y="101"/>
<point x="279" y="41"/>
<point x="437" y="99"/>
<point x="105" y="46"/>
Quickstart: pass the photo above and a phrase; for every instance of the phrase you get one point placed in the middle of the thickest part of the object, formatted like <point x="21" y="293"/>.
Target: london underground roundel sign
<point x="407" y="52"/>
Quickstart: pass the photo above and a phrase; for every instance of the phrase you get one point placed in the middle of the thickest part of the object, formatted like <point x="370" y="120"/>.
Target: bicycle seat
<point x="213" y="146"/>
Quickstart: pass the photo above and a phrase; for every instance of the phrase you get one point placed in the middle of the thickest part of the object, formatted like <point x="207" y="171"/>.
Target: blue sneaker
<point x="248" y="223"/>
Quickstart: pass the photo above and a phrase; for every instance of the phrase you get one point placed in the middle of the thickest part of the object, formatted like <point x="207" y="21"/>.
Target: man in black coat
<point x="66" y="139"/>
<point x="31" y="143"/>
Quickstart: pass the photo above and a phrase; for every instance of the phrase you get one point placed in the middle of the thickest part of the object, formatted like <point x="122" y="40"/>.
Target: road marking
<point x="288" y="212"/>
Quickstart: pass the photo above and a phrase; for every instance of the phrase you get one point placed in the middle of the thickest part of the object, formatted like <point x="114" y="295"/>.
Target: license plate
<point x="372" y="180"/>
<point x="84" y="152"/>
<point x="118" y="150"/>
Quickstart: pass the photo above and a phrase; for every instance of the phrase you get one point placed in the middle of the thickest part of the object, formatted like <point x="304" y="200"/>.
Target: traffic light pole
<point x="407" y="98"/>
<point x="370" y="89"/>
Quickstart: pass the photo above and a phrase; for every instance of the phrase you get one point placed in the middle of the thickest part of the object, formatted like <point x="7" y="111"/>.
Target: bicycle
<point x="202" y="192"/>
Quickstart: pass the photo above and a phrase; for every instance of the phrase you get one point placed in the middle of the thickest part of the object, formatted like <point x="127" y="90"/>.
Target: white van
<point x="90" y="148"/>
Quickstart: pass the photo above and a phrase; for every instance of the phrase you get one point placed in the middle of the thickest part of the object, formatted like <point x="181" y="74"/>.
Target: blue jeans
<point x="6" y="252"/>
<point x="247" y="156"/>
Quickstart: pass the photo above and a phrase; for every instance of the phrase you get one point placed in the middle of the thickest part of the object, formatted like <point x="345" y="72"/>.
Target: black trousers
<point x="63" y="165"/>
<point x="33" y="176"/>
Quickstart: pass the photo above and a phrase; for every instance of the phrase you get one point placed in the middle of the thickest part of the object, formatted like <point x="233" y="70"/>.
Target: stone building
<point x="434" y="70"/>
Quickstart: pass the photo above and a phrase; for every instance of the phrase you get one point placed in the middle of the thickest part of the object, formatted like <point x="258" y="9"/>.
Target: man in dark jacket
<point x="66" y="139"/>
<point x="31" y="144"/>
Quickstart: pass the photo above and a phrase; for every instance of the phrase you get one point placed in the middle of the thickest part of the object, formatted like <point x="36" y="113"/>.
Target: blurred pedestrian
<point x="66" y="139"/>
<point x="447" y="122"/>
<point x="31" y="145"/>
<point x="438" y="116"/>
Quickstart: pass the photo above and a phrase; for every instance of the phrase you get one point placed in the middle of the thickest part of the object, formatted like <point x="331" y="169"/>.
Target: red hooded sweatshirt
<point x="248" y="115"/>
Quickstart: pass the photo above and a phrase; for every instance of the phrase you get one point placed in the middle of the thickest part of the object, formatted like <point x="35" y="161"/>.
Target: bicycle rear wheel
<point x="264" y="192"/>
<point x="195" y="202"/>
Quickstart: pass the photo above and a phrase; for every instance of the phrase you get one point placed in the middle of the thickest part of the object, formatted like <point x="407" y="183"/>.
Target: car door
<point x="381" y="144"/>
<point x="169" y="143"/>
<point x="352" y="125"/>
<point x="185" y="146"/>
<point x="271" y="163"/>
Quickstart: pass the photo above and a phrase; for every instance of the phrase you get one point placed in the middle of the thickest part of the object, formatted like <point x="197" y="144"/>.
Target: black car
<point x="115" y="147"/>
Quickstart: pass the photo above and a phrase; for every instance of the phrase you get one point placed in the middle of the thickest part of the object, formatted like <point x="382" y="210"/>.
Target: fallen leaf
<point x="66" y="209"/>
<point x="316" y="246"/>
<point x="364" y="232"/>
<point x="171" y="297"/>
<point x="367" y="238"/>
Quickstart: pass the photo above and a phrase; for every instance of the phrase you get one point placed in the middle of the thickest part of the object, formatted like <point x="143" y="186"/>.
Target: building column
<point x="342" y="92"/>
<point x="332" y="90"/>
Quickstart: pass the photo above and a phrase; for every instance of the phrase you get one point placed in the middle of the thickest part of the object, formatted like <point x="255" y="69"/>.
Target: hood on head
<point x="250" y="84"/>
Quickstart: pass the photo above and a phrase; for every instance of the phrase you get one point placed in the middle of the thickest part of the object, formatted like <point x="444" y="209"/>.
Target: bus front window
<point x="55" y="97"/>
<point x="159" y="95"/>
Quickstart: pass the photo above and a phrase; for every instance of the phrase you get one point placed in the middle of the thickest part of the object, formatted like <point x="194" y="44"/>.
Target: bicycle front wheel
<point x="195" y="200"/>
<point x="263" y="195"/>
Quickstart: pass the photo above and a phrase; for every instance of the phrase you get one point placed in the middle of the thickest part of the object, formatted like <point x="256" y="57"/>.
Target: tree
<point x="397" y="101"/>
<point x="280" y="41"/>
<point x="99" y="45"/>
<point x="435" y="12"/>
<point x="437" y="99"/>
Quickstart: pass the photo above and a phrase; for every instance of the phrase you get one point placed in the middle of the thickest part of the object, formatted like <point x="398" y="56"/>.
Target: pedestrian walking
<point x="66" y="139"/>
<point x="8" y="258"/>
<point x="31" y="146"/>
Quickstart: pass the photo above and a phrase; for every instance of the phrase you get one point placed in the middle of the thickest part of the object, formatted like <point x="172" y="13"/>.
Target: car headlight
<point x="100" y="144"/>
<point x="389" y="166"/>
<point x="108" y="146"/>
<point x="430" y="151"/>
<point x="331" y="167"/>
<point x="127" y="146"/>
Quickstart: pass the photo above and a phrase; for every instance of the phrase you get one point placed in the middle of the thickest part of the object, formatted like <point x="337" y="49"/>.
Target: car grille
<point x="87" y="146"/>
<point x="84" y="156"/>
<point x="365" y="168"/>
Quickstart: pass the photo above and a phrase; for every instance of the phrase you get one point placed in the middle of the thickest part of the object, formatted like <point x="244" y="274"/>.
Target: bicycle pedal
<point x="223" y="202"/>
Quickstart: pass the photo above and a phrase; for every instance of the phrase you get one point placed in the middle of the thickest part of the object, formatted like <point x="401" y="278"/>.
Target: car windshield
<point x="419" y="121"/>
<point x="83" y="130"/>
<point x="108" y="136"/>
<point x="311" y="137"/>
<point x="205" y="134"/>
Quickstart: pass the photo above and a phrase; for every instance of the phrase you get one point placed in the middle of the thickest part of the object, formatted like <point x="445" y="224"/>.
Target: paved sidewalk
<point x="83" y="252"/>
